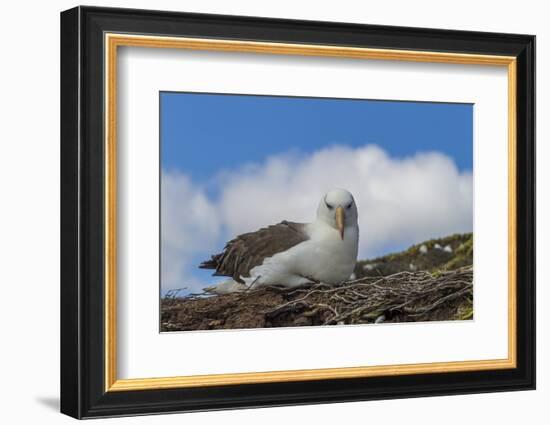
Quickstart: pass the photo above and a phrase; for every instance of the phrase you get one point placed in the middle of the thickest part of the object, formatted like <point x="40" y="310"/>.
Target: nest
<point x="400" y="297"/>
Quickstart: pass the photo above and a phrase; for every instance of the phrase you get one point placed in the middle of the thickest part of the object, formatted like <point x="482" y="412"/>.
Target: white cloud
<point x="400" y="201"/>
<point x="190" y="224"/>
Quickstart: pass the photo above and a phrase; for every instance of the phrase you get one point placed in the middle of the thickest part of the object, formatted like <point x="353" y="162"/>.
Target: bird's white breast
<point x="325" y="257"/>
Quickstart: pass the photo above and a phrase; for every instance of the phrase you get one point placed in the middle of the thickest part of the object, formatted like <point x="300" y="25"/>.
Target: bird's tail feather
<point x="226" y="287"/>
<point x="212" y="263"/>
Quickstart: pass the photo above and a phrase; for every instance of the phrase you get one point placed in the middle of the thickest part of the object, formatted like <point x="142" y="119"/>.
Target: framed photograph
<point x="261" y="212"/>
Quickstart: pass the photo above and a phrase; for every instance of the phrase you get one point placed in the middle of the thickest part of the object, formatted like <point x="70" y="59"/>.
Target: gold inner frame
<point x="113" y="41"/>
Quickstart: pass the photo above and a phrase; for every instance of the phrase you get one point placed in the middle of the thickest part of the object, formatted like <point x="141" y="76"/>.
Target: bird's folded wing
<point x="249" y="250"/>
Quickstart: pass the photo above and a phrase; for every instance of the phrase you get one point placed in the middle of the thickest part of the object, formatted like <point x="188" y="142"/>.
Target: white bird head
<point x="338" y="209"/>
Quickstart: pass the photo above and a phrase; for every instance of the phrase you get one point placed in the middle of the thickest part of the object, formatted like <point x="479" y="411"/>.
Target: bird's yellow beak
<point x="340" y="217"/>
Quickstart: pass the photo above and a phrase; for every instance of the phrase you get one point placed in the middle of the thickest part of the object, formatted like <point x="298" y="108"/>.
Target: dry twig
<point x="404" y="296"/>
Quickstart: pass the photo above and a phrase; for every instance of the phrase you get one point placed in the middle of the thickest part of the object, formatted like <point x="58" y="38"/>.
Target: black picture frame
<point x="83" y="392"/>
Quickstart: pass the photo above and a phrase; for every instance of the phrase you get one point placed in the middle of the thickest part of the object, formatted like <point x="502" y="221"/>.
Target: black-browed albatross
<point x="293" y="254"/>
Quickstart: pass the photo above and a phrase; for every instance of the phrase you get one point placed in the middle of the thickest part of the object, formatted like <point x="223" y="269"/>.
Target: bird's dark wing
<point x="249" y="250"/>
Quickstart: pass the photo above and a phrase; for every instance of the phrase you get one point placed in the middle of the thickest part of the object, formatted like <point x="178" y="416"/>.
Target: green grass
<point x="412" y="259"/>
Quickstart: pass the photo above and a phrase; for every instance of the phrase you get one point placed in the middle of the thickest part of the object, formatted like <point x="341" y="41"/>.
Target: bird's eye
<point x="349" y="206"/>
<point x="328" y="206"/>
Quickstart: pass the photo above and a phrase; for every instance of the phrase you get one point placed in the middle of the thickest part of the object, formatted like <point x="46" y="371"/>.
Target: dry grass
<point x="400" y="297"/>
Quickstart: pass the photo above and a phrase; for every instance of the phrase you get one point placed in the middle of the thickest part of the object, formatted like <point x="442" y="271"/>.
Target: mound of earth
<point x="429" y="281"/>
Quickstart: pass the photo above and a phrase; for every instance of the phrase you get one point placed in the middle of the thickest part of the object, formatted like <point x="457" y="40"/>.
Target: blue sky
<point x="203" y="133"/>
<point x="205" y="136"/>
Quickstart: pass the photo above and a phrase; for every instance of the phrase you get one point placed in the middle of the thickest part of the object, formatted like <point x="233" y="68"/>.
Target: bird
<point x="290" y="254"/>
